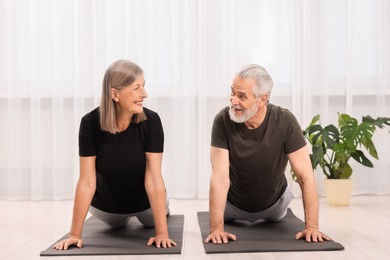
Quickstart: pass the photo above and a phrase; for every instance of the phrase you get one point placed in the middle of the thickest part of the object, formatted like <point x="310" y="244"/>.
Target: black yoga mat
<point x="263" y="236"/>
<point x="100" y="239"/>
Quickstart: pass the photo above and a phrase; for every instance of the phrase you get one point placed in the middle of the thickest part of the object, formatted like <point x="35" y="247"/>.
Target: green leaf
<point x="315" y="120"/>
<point x="343" y="118"/>
<point x="331" y="136"/>
<point x="346" y="171"/>
<point x="317" y="155"/>
<point x="380" y="122"/>
<point x="369" y="145"/>
<point x="354" y="133"/>
<point x="361" y="158"/>
<point x="332" y="146"/>
<point x="313" y="133"/>
<point x="318" y="135"/>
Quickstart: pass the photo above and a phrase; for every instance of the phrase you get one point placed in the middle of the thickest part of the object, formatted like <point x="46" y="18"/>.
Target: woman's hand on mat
<point x="161" y="241"/>
<point x="311" y="235"/>
<point x="219" y="237"/>
<point x="64" y="244"/>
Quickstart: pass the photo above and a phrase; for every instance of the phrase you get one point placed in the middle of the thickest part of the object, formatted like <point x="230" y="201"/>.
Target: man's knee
<point x="274" y="219"/>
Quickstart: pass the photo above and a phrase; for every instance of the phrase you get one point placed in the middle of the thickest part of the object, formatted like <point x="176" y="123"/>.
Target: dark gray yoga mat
<point x="263" y="236"/>
<point x="99" y="239"/>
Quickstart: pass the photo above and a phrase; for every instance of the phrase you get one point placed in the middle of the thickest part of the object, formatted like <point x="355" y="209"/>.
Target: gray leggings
<point x="116" y="220"/>
<point x="274" y="213"/>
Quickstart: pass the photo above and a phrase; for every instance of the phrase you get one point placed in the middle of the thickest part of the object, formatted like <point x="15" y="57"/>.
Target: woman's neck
<point x="123" y="121"/>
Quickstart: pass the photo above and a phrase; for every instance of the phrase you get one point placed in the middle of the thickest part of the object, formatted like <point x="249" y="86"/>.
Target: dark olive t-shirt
<point x="258" y="157"/>
<point x="120" y="161"/>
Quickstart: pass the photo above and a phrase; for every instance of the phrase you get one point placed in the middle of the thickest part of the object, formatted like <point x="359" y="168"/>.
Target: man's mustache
<point x="236" y="107"/>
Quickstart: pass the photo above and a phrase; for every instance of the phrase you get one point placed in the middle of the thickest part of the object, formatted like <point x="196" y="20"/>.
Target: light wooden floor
<point x="363" y="228"/>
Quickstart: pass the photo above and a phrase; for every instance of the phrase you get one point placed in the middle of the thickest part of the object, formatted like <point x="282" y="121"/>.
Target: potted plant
<point x="332" y="147"/>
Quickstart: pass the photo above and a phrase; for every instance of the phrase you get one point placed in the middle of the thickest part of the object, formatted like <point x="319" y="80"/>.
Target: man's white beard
<point x="246" y="114"/>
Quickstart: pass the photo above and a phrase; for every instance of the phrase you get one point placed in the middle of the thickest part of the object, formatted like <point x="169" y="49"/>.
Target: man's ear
<point x="263" y="100"/>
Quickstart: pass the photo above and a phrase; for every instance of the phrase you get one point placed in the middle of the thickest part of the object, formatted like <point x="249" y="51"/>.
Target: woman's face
<point x="130" y="98"/>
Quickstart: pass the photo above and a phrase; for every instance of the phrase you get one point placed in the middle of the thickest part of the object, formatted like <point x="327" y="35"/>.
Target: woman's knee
<point x="112" y="220"/>
<point x="146" y="218"/>
<point x="116" y="224"/>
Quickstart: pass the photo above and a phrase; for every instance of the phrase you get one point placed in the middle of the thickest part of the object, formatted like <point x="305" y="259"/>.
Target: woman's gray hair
<point x="262" y="79"/>
<point x="119" y="75"/>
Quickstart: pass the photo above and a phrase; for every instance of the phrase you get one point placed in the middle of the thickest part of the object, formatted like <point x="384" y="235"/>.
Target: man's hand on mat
<point x="64" y="244"/>
<point x="311" y="235"/>
<point x="161" y="241"/>
<point x="219" y="237"/>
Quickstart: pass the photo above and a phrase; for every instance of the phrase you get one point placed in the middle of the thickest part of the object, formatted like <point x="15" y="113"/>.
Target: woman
<point x="120" y="147"/>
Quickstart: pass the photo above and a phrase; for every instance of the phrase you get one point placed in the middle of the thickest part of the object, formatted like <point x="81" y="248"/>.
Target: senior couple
<point x="121" y="146"/>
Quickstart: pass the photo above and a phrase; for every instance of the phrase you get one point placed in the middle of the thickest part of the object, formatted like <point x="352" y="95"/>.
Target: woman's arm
<point x="155" y="188"/>
<point x="85" y="190"/>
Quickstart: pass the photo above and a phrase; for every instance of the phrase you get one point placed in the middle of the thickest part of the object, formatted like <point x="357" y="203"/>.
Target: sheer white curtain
<point x="342" y="65"/>
<point x="324" y="56"/>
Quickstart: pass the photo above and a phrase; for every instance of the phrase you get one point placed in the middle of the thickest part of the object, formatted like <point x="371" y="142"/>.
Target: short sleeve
<point x="87" y="138"/>
<point x="155" y="141"/>
<point x="294" y="139"/>
<point x="218" y="132"/>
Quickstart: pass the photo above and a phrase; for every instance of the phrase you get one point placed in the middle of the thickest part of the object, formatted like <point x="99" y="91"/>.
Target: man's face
<point x="243" y="102"/>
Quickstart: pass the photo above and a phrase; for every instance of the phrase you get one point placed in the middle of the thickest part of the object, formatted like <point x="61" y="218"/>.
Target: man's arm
<point x="219" y="186"/>
<point x="301" y="165"/>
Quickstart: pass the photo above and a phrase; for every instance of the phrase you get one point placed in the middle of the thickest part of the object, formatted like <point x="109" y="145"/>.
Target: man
<point x="251" y="142"/>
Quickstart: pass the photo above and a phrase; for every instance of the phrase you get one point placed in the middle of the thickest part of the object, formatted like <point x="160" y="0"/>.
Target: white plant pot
<point x="338" y="191"/>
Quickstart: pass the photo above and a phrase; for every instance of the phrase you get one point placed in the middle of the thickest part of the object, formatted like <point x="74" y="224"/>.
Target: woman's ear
<point x="114" y="95"/>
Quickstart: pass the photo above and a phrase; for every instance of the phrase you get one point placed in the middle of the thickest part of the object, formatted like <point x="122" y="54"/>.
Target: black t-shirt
<point x="258" y="157"/>
<point x="120" y="161"/>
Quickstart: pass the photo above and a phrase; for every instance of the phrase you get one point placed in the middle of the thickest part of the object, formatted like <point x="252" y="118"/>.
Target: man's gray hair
<point x="262" y="79"/>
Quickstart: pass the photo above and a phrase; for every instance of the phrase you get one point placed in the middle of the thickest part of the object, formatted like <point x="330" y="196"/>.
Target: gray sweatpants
<point x="274" y="213"/>
<point x="116" y="220"/>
